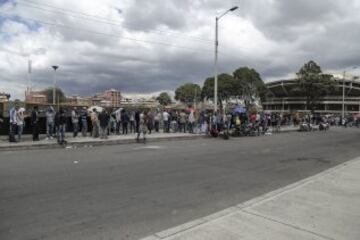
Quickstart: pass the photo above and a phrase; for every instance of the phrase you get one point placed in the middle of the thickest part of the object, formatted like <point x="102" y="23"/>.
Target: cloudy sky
<point x="143" y="47"/>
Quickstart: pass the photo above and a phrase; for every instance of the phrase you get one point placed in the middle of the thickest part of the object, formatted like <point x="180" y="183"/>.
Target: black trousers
<point x="12" y="132"/>
<point x="36" y="129"/>
<point x="125" y="128"/>
<point x="137" y="126"/>
<point x="157" y="124"/>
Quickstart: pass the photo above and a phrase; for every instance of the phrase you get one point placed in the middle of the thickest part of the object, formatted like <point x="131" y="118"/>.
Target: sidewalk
<point x="325" y="206"/>
<point x="27" y="144"/>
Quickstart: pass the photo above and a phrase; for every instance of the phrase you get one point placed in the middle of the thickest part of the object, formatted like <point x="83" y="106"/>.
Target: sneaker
<point x="46" y="139"/>
<point x="51" y="138"/>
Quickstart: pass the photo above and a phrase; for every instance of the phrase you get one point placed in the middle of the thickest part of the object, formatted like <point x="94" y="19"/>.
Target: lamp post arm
<point x="223" y="14"/>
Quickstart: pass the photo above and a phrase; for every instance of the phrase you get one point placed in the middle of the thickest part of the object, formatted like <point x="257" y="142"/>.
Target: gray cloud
<point x="274" y="37"/>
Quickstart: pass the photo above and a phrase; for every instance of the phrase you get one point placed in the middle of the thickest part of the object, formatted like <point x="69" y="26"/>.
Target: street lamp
<point x="54" y="87"/>
<point x="216" y="56"/>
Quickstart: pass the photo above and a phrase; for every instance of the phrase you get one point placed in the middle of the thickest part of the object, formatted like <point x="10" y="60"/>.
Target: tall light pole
<point x="54" y="87"/>
<point x="343" y="99"/>
<point x="216" y="56"/>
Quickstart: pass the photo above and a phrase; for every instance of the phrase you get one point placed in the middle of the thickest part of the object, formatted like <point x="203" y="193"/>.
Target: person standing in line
<point x="84" y="123"/>
<point x="60" y="122"/>
<point x="75" y="121"/>
<point x="182" y="121"/>
<point x="137" y="120"/>
<point x="20" y="122"/>
<point x="191" y="121"/>
<point x="142" y="126"/>
<point x="95" y="123"/>
<point x="150" y="121"/>
<point x="132" y="122"/>
<point x="166" y="121"/>
<point x="125" y="121"/>
<point x="50" y="123"/>
<point x="13" y="123"/>
<point x="118" y="120"/>
<point x="112" y="124"/>
<point x="157" y="119"/>
<point x="104" y="119"/>
<point x="35" y="122"/>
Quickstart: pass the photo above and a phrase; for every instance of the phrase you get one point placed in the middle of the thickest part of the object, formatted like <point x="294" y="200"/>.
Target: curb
<point x="245" y="206"/>
<point x="54" y="145"/>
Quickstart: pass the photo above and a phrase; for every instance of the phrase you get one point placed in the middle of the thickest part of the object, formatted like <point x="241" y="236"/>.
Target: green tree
<point x="188" y="92"/>
<point x="164" y="99"/>
<point x="313" y="84"/>
<point x="60" y="96"/>
<point x="248" y="84"/>
<point x="226" y="88"/>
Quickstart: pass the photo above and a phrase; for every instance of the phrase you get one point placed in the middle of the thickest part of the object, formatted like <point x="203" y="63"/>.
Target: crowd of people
<point x="100" y="123"/>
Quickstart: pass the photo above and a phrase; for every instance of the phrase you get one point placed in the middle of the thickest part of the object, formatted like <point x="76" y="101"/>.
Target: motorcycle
<point x="324" y="126"/>
<point x="305" y="127"/>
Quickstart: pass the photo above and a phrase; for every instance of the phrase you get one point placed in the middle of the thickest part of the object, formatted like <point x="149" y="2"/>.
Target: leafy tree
<point x="313" y="84"/>
<point x="164" y="98"/>
<point x="188" y="92"/>
<point x="248" y="83"/>
<point x="60" y="96"/>
<point x="226" y="88"/>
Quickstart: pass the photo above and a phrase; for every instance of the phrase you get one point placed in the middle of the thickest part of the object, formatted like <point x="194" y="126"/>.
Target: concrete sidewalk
<point x="27" y="143"/>
<point x="89" y="141"/>
<point x="325" y="206"/>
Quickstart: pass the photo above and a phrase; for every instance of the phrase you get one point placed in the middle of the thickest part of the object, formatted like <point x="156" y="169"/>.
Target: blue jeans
<point x="20" y="129"/>
<point x="61" y="133"/>
<point x="84" y="128"/>
<point x="49" y="129"/>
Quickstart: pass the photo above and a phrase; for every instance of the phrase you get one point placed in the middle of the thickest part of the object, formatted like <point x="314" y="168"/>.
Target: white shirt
<point x="165" y="116"/>
<point x="20" y="118"/>
<point x="191" y="117"/>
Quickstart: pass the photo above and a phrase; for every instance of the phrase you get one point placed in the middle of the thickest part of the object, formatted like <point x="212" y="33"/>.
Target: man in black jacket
<point x="60" y="121"/>
<point x="35" y="123"/>
<point x="124" y="121"/>
<point x="104" y="119"/>
<point x="137" y="120"/>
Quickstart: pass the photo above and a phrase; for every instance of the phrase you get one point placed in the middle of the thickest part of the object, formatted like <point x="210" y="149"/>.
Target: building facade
<point x="76" y="101"/>
<point x="36" y="97"/>
<point x="281" y="98"/>
<point x="108" y="98"/>
<point x="4" y="102"/>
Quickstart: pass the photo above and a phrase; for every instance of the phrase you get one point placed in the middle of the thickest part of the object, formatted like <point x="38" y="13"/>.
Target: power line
<point x="113" y="35"/>
<point x="95" y="18"/>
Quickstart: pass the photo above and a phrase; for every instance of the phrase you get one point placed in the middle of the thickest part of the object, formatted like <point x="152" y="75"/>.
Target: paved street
<point x="132" y="191"/>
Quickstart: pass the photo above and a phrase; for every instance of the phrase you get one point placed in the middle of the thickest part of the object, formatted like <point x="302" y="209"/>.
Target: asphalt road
<point x="131" y="191"/>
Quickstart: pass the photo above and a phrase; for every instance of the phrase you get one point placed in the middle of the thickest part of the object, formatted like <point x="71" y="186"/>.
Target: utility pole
<point x="54" y="86"/>
<point x="216" y="56"/>
<point x="343" y="98"/>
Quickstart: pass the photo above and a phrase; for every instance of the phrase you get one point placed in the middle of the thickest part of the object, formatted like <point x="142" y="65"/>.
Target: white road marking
<point x="147" y="147"/>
